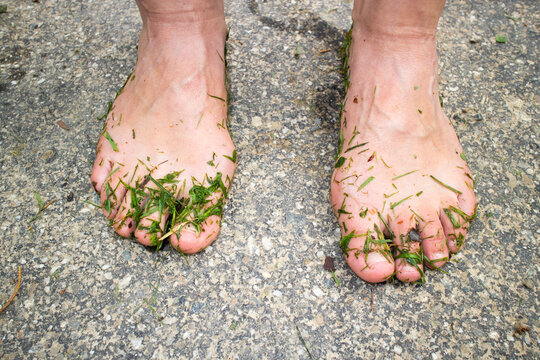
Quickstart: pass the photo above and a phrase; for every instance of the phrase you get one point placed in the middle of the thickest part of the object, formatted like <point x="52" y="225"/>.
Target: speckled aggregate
<point x="87" y="293"/>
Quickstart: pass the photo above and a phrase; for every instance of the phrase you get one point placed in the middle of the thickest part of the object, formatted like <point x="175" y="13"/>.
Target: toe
<point x="151" y="204"/>
<point x="408" y="252"/>
<point x="367" y="252"/>
<point x="101" y="170"/>
<point x="112" y="195"/>
<point x="434" y="242"/>
<point x="456" y="237"/>
<point x="467" y="201"/>
<point x="151" y="228"/>
<point x="455" y="222"/>
<point x="456" y="218"/>
<point x="198" y="225"/>
<point x="189" y="241"/>
<point x="124" y="224"/>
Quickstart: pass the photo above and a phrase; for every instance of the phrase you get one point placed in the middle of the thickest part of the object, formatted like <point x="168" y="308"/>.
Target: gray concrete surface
<point x="87" y="293"/>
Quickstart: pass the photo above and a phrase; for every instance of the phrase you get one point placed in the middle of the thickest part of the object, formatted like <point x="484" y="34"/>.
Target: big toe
<point x="368" y="254"/>
<point x="373" y="267"/>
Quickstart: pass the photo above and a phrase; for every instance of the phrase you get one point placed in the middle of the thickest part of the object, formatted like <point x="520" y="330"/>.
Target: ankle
<point x="173" y="20"/>
<point x="171" y="28"/>
<point x="405" y="20"/>
<point x="414" y="60"/>
<point x="185" y="11"/>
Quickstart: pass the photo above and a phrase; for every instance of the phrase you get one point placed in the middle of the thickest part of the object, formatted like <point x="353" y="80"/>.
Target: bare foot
<point x="165" y="158"/>
<point x="401" y="190"/>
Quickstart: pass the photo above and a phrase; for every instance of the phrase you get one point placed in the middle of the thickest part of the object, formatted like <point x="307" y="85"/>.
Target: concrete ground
<point x="260" y="292"/>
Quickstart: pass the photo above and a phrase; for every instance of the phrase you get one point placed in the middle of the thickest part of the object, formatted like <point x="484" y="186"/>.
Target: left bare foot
<point x="402" y="190"/>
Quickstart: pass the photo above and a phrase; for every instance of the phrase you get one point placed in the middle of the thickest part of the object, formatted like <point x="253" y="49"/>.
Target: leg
<point x="401" y="190"/>
<point x="165" y="158"/>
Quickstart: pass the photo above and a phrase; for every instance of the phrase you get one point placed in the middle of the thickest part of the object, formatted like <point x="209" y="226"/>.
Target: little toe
<point x="190" y="241"/>
<point x="455" y="223"/>
<point x="467" y="201"/>
<point x="100" y="171"/>
<point x="456" y="237"/>
<point x="124" y="224"/>
<point x="112" y="194"/>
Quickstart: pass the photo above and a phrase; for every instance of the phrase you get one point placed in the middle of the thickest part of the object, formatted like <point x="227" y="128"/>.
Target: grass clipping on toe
<point x="202" y="202"/>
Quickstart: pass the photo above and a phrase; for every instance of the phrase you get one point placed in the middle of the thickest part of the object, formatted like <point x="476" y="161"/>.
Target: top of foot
<point x="401" y="190"/>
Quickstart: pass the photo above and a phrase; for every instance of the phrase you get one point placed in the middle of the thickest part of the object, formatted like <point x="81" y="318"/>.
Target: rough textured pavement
<point x="260" y="292"/>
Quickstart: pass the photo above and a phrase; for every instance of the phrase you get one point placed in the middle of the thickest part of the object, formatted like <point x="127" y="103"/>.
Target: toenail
<point x="413" y="235"/>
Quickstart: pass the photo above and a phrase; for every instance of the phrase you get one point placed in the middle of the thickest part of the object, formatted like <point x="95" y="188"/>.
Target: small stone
<point x="475" y="39"/>
<point x="122" y="284"/>
<point x="256" y="121"/>
<point x="478" y="117"/>
<point x="317" y="291"/>
<point x="196" y="307"/>
<point x="512" y="181"/>
<point x="329" y="264"/>
<point x="136" y="343"/>
<point x="521" y="327"/>
<point x="74" y="324"/>
<point x="49" y="155"/>
<point x="527" y="283"/>
<point x="266" y="243"/>
<point x="169" y="320"/>
<point x="413" y="235"/>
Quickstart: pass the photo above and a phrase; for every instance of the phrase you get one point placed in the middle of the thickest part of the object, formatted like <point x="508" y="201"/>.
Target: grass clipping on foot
<point x="203" y="201"/>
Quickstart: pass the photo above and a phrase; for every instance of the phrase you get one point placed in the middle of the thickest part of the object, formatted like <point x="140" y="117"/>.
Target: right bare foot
<point x="165" y="158"/>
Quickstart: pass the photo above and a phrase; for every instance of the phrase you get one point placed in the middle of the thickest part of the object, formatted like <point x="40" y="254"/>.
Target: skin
<point x="392" y="104"/>
<point x="165" y="121"/>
